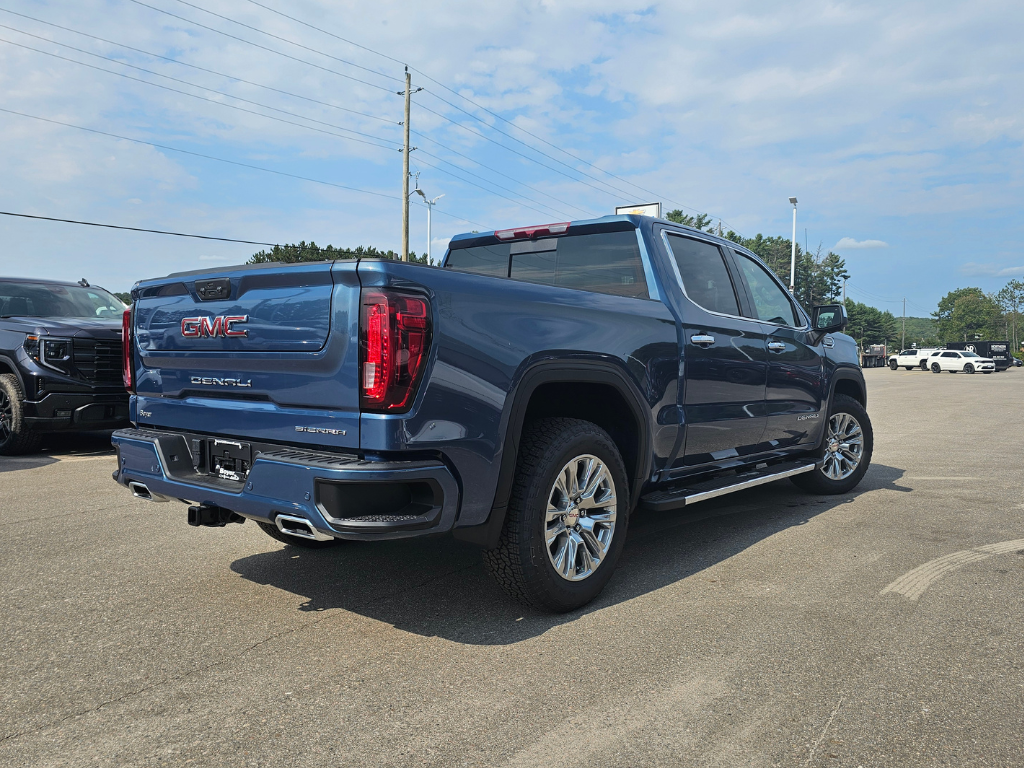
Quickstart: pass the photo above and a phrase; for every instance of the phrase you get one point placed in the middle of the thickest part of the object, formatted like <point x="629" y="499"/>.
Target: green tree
<point x="869" y="325"/>
<point x="833" y="268"/>
<point x="304" y="252"/>
<point x="701" y="221"/>
<point x="1011" y="301"/>
<point x="966" y="313"/>
<point x="125" y="297"/>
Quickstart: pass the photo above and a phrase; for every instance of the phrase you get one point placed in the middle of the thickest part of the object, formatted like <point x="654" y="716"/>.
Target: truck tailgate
<point x="269" y="352"/>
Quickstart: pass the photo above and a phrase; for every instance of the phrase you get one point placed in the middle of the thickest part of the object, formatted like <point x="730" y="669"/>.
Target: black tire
<point x="817" y="481"/>
<point x="968" y="368"/>
<point x="936" y="368"/>
<point x="893" y="365"/>
<point x="521" y="562"/>
<point x="924" y="365"/>
<point x="15" y="435"/>
<point x="910" y="367"/>
<point x="295" y="541"/>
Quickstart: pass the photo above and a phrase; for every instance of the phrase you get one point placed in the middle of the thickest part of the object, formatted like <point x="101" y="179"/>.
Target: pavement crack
<point x="824" y="731"/>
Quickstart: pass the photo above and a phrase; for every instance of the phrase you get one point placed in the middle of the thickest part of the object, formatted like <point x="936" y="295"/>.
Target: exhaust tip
<point x="140" y="491"/>
<point x="300" y="527"/>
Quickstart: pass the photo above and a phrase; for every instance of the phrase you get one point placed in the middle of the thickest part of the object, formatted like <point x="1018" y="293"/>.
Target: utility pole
<point x="844" y="290"/>
<point x="904" y="339"/>
<point x="792" y="259"/>
<point x="408" y="92"/>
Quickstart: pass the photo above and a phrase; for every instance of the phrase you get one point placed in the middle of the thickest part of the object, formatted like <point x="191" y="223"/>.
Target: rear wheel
<point x="849" y="441"/>
<point x="296" y="541"/>
<point x="15" y="435"/>
<point x="936" y="368"/>
<point x="910" y="367"/>
<point x="567" y="516"/>
<point x="924" y="365"/>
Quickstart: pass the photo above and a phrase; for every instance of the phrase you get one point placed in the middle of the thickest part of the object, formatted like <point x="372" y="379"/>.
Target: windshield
<point x="969" y="354"/>
<point x="50" y="300"/>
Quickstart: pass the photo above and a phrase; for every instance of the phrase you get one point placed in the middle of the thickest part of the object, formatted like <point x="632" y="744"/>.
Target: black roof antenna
<point x="84" y="283"/>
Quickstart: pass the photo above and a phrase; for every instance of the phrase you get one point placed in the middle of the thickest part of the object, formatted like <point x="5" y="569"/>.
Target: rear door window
<point x="771" y="302"/>
<point x="705" y="277"/>
<point x="604" y="262"/>
<point x="480" y="260"/>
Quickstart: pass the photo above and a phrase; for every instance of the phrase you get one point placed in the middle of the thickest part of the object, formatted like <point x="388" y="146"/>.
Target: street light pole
<point x="430" y="208"/>
<point x="792" y="258"/>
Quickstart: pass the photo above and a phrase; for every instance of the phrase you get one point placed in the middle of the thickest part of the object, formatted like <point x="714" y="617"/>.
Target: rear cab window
<point x="598" y="262"/>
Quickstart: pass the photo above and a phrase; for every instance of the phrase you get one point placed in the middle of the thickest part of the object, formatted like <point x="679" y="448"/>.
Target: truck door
<point x="723" y="358"/>
<point x="794" y="396"/>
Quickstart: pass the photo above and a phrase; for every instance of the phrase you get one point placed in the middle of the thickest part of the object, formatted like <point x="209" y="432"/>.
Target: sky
<point x="898" y="126"/>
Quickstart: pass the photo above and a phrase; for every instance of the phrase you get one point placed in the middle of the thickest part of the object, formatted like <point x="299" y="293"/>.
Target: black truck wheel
<point x="846" y="454"/>
<point x="567" y="516"/>
<point x="968" y="368"/>
<point x="924" y="365"/>
<point x="936" y="368"/>
<point x="15" y="435"/>
<point x="296" y="541"/>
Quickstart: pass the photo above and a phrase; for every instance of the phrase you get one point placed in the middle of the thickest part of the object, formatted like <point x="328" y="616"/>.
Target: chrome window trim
<point x="653" y="291"/>
<point x="665" y="232"/>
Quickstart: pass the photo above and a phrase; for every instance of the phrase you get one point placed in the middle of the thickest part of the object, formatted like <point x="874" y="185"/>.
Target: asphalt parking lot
<point x="880" y="628"/>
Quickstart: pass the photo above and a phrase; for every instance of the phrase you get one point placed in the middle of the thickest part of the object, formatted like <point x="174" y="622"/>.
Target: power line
<point x="230" y="162"/>
<point x="211" y="101"/>
<point x="135" y="229"/>
<point x="290" y="42"/>
<point x="181" y="63"/>
<point x="262" y="47"/>
<point x="264" y="106"/>
<point x="481" y="107"/>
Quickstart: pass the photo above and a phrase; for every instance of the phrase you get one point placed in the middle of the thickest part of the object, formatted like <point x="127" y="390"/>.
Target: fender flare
<point x="844" y="373"/>
<point x="16" y="371"/>
<point x="581" y="370"/>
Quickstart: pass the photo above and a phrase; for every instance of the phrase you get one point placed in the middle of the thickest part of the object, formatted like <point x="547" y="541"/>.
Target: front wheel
<point x="968" y="368"/>
<point x="567" y="516"/>
<point x="15" y="435"/>
<point x="936" y="368"/>
<point x="893" y="365"/>
<point x="849" y="440"/>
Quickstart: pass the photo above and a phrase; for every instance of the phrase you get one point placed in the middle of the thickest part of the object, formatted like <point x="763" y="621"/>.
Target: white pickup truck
<point x="911" y="358"/>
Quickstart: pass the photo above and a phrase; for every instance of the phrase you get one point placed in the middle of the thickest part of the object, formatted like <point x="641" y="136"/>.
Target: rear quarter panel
<point x="487" y="332"/>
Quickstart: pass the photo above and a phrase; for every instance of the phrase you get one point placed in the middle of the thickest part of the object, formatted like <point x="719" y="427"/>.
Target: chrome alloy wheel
<point x="580" y="517"/>
<point x="843" y="448"/>
<point x="6" y="416"/>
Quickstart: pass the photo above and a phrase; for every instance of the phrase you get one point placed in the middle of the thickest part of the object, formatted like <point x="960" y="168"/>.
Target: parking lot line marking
<point x="947" y="477"/>
<point x="915" y="583"/>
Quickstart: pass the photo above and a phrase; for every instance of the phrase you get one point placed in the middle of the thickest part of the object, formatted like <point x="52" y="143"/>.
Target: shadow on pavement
<point x="439" y="587"/>
<point x="60" y="445"/>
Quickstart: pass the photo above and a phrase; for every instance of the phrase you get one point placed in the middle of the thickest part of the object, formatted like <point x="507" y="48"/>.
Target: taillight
<point x="529" y="232"/>
<point x="127" y="372"/>
<point x="394" y="339"/>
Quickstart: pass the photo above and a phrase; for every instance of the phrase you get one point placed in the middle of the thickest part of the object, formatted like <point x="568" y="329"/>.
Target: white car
<point x="953" y="360"/>
<point x="911" y="358"/>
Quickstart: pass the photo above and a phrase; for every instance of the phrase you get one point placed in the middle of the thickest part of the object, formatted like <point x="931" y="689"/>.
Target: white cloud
<point x="849" y="244"/>
<point x="974" y="269"/>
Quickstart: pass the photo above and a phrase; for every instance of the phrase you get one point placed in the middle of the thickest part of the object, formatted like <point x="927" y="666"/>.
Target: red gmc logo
<point x="196" y="327"/>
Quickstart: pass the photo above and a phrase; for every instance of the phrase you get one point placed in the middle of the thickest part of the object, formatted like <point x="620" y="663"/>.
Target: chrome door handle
<point x="702" y="340"/>
<point x="776" y="346"/>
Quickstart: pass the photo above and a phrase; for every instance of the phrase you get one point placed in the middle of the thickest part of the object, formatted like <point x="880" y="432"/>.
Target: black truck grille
<point x="98" y="362"/>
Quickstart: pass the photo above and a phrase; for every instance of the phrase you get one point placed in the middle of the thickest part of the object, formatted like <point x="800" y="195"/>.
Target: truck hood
<point x="66" y="326"/>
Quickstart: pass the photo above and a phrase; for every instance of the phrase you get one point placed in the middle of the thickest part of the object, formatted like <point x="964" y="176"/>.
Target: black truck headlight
<point x="53" y="353"/>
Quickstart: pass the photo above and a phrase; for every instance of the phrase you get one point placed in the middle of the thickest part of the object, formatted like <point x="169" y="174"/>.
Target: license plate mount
<point x="229" y="459"/>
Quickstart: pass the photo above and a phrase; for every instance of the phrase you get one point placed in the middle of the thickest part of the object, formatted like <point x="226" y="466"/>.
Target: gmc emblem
<point x="196" y="327"/>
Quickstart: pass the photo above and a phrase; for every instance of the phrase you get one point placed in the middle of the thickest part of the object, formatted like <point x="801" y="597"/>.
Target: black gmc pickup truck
<point x="527" y="397"/>
<point x="60" y="361"/>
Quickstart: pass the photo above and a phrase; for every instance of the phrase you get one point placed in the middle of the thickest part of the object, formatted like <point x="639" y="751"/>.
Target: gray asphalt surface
<point x="755" y="638"/>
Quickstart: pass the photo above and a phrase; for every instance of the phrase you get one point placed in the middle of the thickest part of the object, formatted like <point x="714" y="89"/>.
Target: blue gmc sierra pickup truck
<point x="527" y="397"/>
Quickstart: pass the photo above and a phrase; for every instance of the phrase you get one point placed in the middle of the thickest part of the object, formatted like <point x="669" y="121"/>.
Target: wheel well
<point x="850" y="388"/>
<point x="601" y="404"/>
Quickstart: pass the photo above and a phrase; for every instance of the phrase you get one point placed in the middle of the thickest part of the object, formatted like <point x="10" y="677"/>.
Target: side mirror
<point x="829" y="318"/>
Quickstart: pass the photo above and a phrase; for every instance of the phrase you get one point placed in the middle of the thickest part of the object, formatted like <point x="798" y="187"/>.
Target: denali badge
<point x="195" y="327"/>
<point x="210" y="381"/>
<point x="808" y="416"/>
<point x="320" y="430"/>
